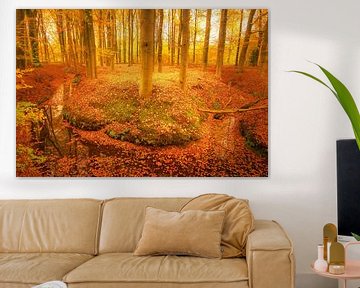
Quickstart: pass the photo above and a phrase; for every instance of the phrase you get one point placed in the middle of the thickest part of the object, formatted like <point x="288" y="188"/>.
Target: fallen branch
<point x="249" y="105"/>
<point x="232" y="110"/>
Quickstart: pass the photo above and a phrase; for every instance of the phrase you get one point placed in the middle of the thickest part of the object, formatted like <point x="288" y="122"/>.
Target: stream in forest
<point x="59" y="138"/>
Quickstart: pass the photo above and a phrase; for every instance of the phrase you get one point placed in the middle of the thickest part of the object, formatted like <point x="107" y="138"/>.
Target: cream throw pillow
<point x="238" y="223"/>
<point x="193" y="232"/>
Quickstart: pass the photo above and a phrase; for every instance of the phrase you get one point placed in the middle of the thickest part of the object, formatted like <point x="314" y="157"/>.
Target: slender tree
<point x="172" y="36"/>
<point x="114" y="33"/>
<point x="263" y="55"/>
<point x="160" y="39"/>
<point x="78" y="37"/>
<point x="33" y="35"/>
<point x="101" y="36"/>
<point x="246" y="40"/>
<point x="74" y="36"/>
<point x="137" y="37"/>
<point x="147" y="20"/>
<point x="221" y="43"/>
<point x="70" y="43"/>
<point x="239" y="37"/>
<point x="179" y="37"/>
<point x="131" y="37"/>
<point x="61" y="34"/>
<point x="123" y="18"/>
<point x="195" y="32"/>
<point x="119" y="39"/>
<point x="154" y="40"/>
<point x="44" y="39"/>
<point x="206" y="39"/>
<point x="184" y="46"/>
<point x="20" y="38"/>
<point x="169" y="32"/>
<point x="89" y="43"/>
<point x="260" y="38"/>
<point x="109" y="39"/>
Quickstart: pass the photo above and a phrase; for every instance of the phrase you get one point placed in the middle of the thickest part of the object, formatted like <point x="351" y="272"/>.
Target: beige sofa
<point x="89" y="243"/>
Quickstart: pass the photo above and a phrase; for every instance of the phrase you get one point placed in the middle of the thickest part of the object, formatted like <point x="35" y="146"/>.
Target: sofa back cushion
<point x="67" y="226"/>
<point x="123" y="220"/>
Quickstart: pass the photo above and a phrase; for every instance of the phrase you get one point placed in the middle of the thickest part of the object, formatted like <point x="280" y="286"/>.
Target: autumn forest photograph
<point x="142" y="92"/>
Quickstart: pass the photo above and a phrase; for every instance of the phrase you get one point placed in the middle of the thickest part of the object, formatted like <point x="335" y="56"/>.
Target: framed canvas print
<point x="142" y="93"/>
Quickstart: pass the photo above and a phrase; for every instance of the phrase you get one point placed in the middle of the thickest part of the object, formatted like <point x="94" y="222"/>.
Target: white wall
<point x="305" y="120"/>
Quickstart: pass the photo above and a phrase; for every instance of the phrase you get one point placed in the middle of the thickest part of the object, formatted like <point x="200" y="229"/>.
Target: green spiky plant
<point x="357" y="237"/>
<point x="344" y="97"/>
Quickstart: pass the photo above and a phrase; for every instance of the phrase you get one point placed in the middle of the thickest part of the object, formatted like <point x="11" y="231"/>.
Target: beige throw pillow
<point x="194" y="232"/>
<point x="239" y="220"/>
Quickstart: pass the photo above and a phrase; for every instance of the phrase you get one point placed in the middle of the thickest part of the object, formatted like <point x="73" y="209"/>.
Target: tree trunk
<point x="172" y="37"/>
<point x="33" y="35"/>
<point x="161" y="11"/>
<point x="195" y="32"/>
<point x="221" y="43"/>
<point x="154" y="40"/>
<point x="124" y="35"/>
<point x="89" y="43"/>
<point x="206" y="40"/>
<point x="246" y="40"/>
<point x="109" y="39"/>
<point x="263" y="58"/>
<point x="80" y="39"/>
<point x="101" y="37"/>
<point x="119" y="41"/>
<point x="239" y="38"/>
<point x="74" y="34"/>
<point x="114" y="42"/>
<point x="184" y="46"/>
<point x="147" y="20"/>
<point x="179" y="37"/>
<point x="44" y="36"/>
<point x="169" y="33"/>
<point x="260" y="38"/>
<point x="130" y="40"/>
<point x="61" y="34"/>
<point x="20" y="39"/>
<point x="137" y="37"/>
<point x="72" y="58"/>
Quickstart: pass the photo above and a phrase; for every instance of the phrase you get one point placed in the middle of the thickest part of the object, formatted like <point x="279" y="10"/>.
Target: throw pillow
<point x="239" y="220"/>
<point x="196" y="233"/>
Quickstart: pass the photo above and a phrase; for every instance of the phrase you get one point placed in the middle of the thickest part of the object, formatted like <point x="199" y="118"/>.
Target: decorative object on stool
<point x="337" y="258"/>
<point x="329" y="236"/>
<point x="320" y="264"/>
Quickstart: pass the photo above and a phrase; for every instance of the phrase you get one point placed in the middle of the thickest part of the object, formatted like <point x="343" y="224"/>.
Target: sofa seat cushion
<point x="36" y="268"/>
<point x="127" y="268"/>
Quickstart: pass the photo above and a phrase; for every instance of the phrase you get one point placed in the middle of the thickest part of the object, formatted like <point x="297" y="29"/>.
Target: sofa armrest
<point x="269" y="256"/>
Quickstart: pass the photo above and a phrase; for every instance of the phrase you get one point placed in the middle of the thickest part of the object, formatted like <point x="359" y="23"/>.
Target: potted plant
<point x="344" y="97"/>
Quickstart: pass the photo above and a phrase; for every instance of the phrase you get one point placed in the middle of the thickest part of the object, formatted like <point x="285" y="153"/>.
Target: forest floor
<point x="101" y="127"/>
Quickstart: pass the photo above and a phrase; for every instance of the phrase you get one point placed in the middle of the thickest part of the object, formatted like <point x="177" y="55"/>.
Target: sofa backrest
<point x="67" y="226"/>
<point x="123" y="220"/>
